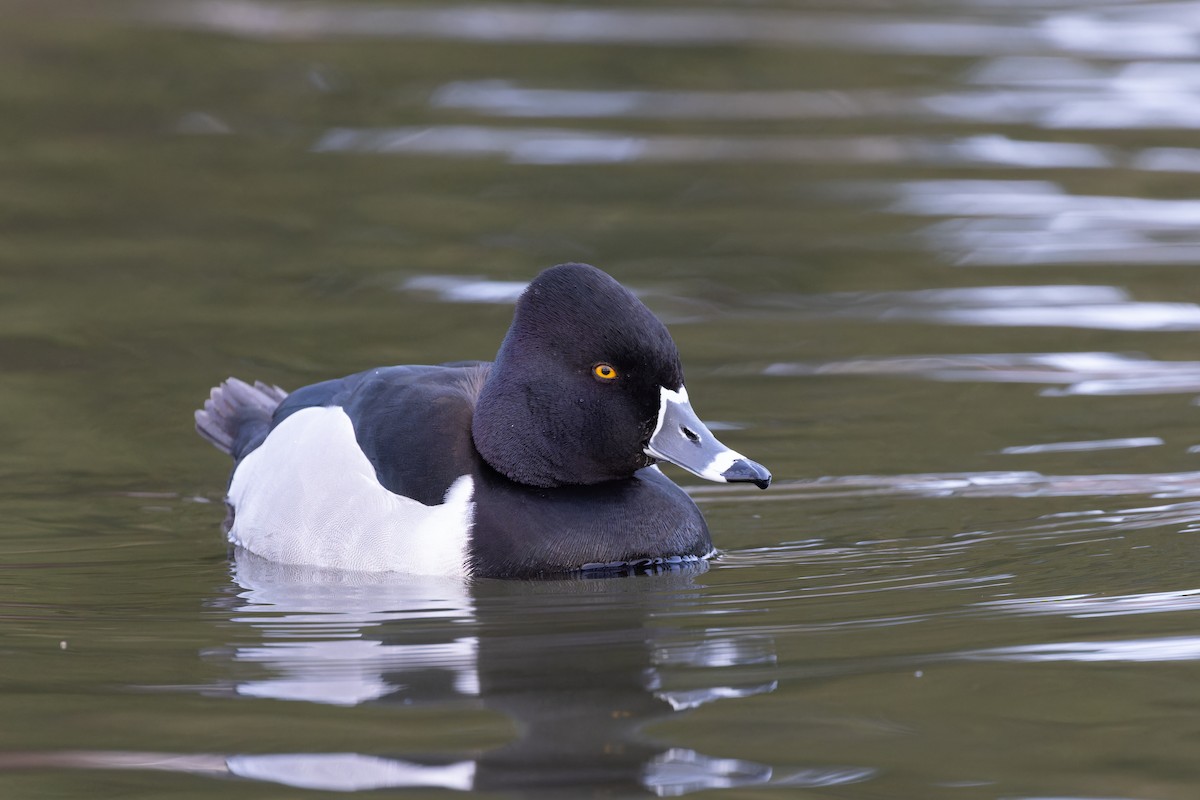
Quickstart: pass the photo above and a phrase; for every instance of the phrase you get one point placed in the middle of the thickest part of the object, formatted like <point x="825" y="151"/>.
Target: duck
<point x="542" y="462"/>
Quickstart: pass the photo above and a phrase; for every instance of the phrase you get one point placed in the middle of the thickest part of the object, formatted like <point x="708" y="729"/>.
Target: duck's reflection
<point x="347" y="638"/>
<point x="581" y="667"/>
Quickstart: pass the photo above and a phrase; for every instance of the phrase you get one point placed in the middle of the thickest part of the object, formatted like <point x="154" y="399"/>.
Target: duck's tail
<point x="237" y="415"/>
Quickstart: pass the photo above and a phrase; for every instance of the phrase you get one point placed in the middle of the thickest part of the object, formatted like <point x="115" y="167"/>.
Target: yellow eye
<point x="604" y="372"/>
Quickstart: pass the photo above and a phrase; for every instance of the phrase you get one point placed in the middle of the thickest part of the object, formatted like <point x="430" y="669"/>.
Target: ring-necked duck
<point x="540" y="462"/>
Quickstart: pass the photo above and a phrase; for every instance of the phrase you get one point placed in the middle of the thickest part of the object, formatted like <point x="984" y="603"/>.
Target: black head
<point x="574" y="393"/>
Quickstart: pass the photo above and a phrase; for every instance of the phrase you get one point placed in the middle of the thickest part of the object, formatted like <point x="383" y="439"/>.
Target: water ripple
<point x="346" y="639"/>
<point x="1074" y="373"/>
<point x="1073" y="306"/>
<point x="455" y="289"/>
<point x="977" y="484"/>
<point x="1048" y="93"/>
<point x="1086" y="606"/>
<point x="1168" y="648"/>
<point x="1037" y="222"/>
<point x="1079" y="306"/>
<point x="1103" y="33"/>
<point x="675" y="772"/>
<point x="1083" y="447"/>
<point x="1066" y="93"/>
<point x="1183" y="516"/>
<point x="557" y="146"/>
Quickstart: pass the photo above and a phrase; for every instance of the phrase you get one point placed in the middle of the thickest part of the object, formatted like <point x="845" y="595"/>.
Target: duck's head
<point x="587" y="387"/>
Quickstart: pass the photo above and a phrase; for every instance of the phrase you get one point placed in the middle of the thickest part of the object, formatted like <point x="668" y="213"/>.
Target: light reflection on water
<point x="596" y="25"/>
<point x="314" y="623"/>
<point x="1083" y="447"/>
<point x="1067" y="93"/>
<point x="1071" y="306"/>
<point x="1088" y="606"/>
<point x="933" y="564"/>
<point x="1075" y="373"/>
<point x="456" y="289"/>
<point x="1037" y="222"/>
<point x="507" y="99"/>
<point x="304" y="635"/>
<point x="1173" y="648"/>
<point x="343" y="639"/>
<point x="1169" y="32"/>
<point x="1051" y="93"/>
<point x="312" y="634"/>
<point x="978" y="484"/>
<point x="561" y="146"/>
<point x="1081" y="306"/>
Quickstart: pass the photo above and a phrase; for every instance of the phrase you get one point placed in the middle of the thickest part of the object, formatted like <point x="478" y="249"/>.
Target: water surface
<point x="933" y="263"/>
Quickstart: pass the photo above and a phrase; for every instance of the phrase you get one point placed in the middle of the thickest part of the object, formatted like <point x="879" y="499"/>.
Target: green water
<point x="933" y="264"/>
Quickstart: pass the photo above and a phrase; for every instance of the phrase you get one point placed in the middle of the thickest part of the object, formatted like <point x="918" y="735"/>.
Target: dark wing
<point x="413" y="423"/>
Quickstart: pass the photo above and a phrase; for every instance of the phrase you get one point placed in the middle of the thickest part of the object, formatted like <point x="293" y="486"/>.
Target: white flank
<point x="308" y="495"/>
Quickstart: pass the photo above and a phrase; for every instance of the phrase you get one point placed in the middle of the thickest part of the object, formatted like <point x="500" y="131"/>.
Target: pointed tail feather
<point x="237" y="415"/>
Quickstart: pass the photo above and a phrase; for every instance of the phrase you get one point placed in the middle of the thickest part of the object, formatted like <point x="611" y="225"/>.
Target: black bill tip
<point x="746" y="471"/>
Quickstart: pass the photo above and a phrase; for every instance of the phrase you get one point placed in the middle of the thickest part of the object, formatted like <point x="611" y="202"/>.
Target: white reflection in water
<point x="1169" y="648"/>
<point x="1087" y="606"/>
<point x="456" y="289"/>
<point x="549" y="146"/>
<point x="1075" y="373"/>
<point x="994" y="484"/>
<point x="591" y="25"/>
<point x="1053" y="306"/>
<point x="684" y="699"/>
<point x="1122" y="317"/>
<point x="507" y="99"/>
<point x="1050" y="93"/>
<point x="1065" y="93"/>
<point x="1184" y="516"/>
<point x="351" y="772"/>
<point x="595" y="25"/>
<point x="675" y="773"/>
<point x="1132" y="32"/>
<point x="1037" y="222"/>
<point x="1156" y="30"/>
<point x="1040" y="198"/>
<point x="717" y="651"/>
<point x="713" y="651"/>
<point x="1168" y="159"/>
<point x="1105" y="307"/>
<point x="346" y="639"/>
<point x="317" y="625"/>
<point x="1081" y="447"/>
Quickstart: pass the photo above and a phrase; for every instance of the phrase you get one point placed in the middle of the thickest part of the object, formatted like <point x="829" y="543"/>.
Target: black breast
<point x="522" y="531"/>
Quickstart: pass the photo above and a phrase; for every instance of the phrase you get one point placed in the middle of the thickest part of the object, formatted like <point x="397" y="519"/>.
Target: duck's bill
<point x="681" y="438"/>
